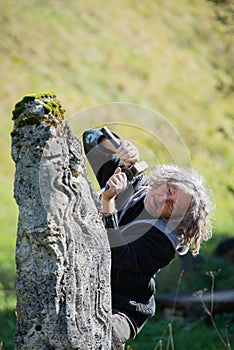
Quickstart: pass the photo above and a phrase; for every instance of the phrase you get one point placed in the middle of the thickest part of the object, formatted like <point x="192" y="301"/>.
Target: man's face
<point x="167" y="201"/>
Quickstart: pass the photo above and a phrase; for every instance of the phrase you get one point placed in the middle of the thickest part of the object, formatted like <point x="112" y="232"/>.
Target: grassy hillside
<point x="172" y="61"/>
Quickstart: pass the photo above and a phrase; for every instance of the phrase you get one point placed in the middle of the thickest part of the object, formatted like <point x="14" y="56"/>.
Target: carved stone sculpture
<point x="62" y="251"/>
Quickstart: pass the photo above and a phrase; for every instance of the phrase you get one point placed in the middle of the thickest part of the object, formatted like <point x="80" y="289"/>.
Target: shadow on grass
<point x="7" y="329"/>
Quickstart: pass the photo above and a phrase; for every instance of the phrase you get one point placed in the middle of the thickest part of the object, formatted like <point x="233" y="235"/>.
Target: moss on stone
<point x="31" y="119"/>
<point x="19" y="107"/>
<point x="53" y="110"/>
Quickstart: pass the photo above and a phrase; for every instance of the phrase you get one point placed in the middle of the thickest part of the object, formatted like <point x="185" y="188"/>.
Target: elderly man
<point x="148" y="220"/>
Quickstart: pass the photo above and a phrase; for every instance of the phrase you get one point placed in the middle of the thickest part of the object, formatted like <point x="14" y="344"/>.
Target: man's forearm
<point x="108" y="206"/>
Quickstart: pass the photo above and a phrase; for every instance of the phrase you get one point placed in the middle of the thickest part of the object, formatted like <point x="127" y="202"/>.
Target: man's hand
<point x="117" y="183"/>
<point x="127" y="151"/>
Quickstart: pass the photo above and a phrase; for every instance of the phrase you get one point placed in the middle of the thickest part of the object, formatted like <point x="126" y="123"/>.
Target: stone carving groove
<point x="62" y="251"/>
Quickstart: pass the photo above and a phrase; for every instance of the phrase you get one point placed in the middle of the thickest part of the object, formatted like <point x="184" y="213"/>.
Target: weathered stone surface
<point x="62" y="251"/>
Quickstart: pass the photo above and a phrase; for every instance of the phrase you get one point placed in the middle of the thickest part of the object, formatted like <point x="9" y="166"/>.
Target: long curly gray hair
<point x="195" y="225"/>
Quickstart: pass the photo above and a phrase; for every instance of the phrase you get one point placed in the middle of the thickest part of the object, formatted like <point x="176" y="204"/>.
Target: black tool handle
<point x="110" y="136"/>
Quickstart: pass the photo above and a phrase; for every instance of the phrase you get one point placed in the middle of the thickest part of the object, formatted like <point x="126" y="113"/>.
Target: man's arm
<point x="117" y="183"/>
<point x="104" y="158"/>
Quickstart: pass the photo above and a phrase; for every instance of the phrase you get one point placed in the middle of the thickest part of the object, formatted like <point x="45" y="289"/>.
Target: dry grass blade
<point x="212" y="274"/>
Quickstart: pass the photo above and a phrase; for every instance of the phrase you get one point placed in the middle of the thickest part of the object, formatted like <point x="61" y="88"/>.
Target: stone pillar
<point x="62" y="251"/>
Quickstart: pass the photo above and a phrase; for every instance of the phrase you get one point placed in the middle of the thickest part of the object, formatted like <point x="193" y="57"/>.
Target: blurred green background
<point x="173" y="57"/>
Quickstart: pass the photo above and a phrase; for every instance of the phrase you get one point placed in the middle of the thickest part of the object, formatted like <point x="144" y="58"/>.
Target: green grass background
<point x="173" y="57"/>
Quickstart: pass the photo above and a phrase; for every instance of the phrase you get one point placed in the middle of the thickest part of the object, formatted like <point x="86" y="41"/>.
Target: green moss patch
<point x="53" y="110"/>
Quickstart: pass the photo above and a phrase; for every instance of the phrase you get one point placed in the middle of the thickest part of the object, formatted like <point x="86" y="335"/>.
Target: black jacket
<point x="139" y="245"/>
